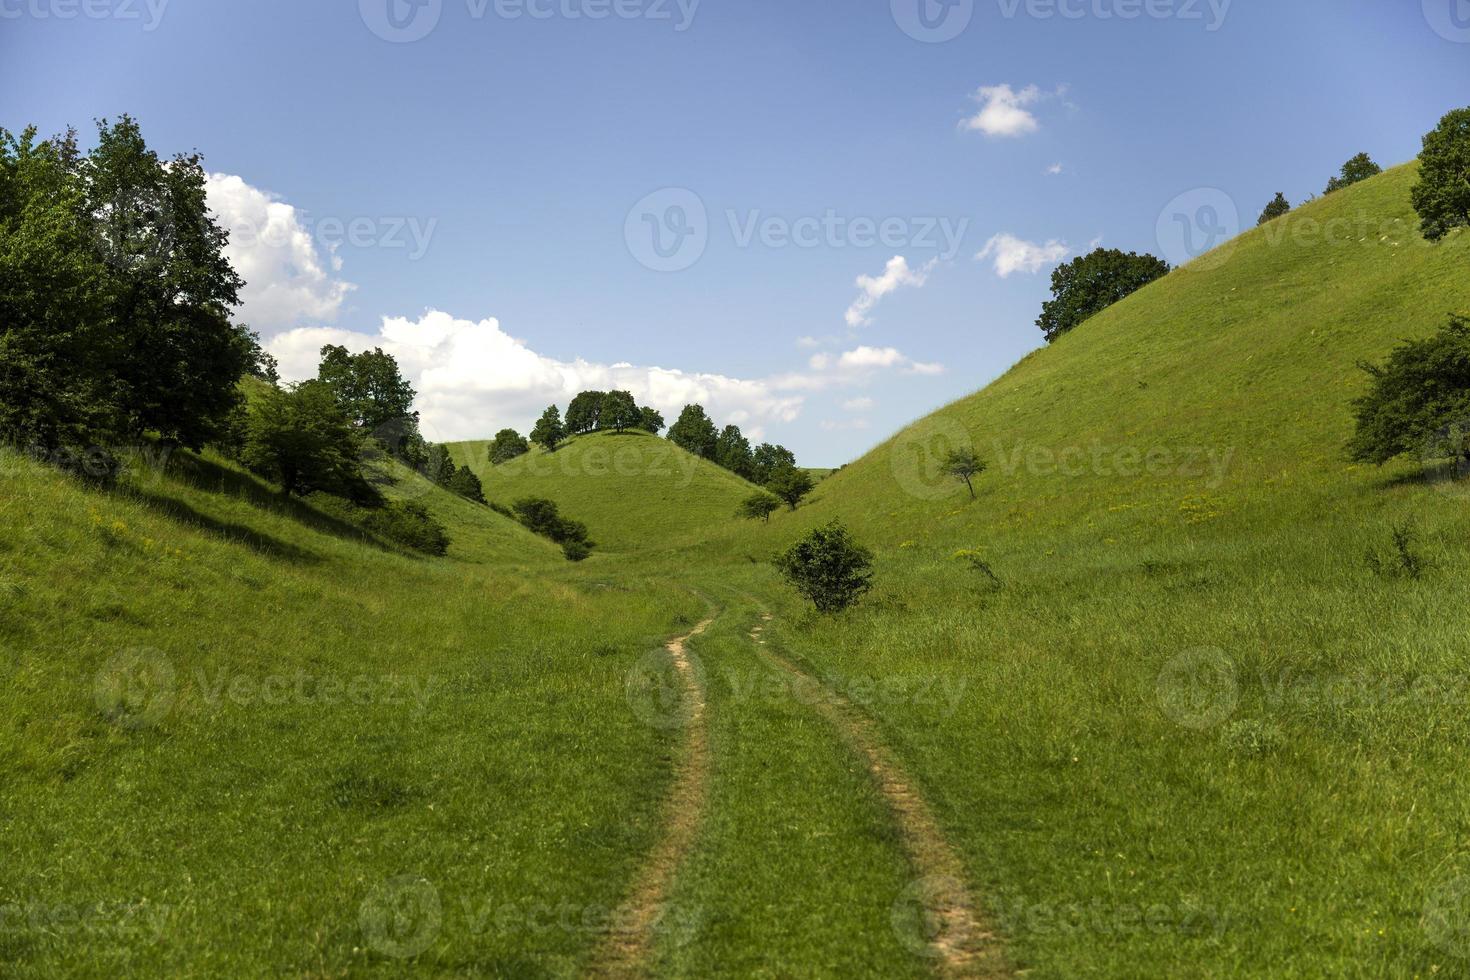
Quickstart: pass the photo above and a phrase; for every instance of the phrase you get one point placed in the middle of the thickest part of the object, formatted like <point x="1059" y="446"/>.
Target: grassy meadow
<point x="1168" y="712"/>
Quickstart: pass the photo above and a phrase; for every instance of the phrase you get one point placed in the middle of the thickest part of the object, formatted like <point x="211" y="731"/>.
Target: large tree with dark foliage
<point x="368" y="386"/>
<point x="767" y="460"/>
<point x="732" y="451"/>
<point x="584" y="413"/>
<point x="301" y="438"/>
<point x="618" y="411"/>
<point x="1419" y="401"/>
<point x="1360" y="167"/>
<point x="694" y="432"/>
<point x="650" y="420"/>
<point x="508" y="445"/>
<point x="549" y="431"/>
<point x="1279" y="206"/>
<point x="1442" y="196"/>
<point x="1091" y="283"/>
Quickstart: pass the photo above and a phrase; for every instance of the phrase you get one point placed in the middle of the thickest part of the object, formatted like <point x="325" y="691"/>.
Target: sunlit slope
<point x="1225" y="386"/>
<point x="633" y="491"/>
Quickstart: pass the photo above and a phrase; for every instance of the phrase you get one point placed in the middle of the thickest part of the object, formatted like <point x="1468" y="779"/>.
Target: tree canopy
<point x="1360" y="167"/>
<point x="369" y="386"/>
<point x="1279" y="206"/>
<point x="1442" y="196"/>
<point x="1419" y="401"/>
<point x="549" y="431"/>
<point x="791" y="485"/>
<point x="584" y="413"/>
<point x="507" y="445"/>
<point x="1091" y="283"/>
<point x="619" y="411"/>
<point x="694" y="432"/>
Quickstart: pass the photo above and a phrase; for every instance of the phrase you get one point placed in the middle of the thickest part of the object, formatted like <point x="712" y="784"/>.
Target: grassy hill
<point x="1190" y="692"/>
<point x="633" y="491"/>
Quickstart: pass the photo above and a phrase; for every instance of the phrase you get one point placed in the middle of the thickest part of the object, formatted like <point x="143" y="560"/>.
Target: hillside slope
<point x="1187" y="688"/>
<point x="633" y="491"/>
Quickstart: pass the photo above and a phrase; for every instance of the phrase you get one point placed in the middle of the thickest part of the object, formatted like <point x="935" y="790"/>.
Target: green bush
<point x="1442" y="196"/>
<point x="576" y="551"/>
<point x="401" y="522"/>
<point x="542" y="517"/>
<point x="828" y="567"/>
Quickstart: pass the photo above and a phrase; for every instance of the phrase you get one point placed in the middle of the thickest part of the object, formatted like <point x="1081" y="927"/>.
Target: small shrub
<point x="541" y="516"/>
<point x="1402" y="560"/>
<point x="576" y="551"/>
<point x="828" y="567"/>
<point x="759" y="507"/>
<point x="409" y="524"/>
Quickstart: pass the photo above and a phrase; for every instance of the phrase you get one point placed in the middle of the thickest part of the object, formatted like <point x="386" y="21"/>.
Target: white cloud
<point x="896" y="274"/>
<point x="1055" y="169"/>
<point x="1003" y="111"/>
<point x="288" y="280"/>
<point x="1012" y="254"/>
<point x="851" y="367"/>
<point x="808" y="342"/>
<point x="858" y="404"/>
<point x="473" y="378"/>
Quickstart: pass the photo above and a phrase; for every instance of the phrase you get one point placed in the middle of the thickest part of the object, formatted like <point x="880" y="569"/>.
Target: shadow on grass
<point x="1449" y="475"/>
<point x="235" y="533"/>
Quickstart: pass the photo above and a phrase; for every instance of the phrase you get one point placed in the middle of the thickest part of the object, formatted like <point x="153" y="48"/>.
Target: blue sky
<point x="493" y="170"/>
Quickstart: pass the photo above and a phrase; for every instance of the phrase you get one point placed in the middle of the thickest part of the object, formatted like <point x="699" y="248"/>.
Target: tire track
<point x="958" y="939"/>
<point x="624" y="951"/>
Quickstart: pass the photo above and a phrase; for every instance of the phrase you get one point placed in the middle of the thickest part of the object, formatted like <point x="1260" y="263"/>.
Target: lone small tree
<point x="963" y="464"/>
<point x="650" y="420"/>
<point x="619" y="412"/>
<point x="1419" y="402"/>
<point x="828" y="567"/>
<point x="1275" y="209"/>
<point x="1442" y="196"/>
<point x="507" y="446"/>
<point x="759" y="507"/>
<point x="791" y="485"/>
<point x="1360" y="167"/>
<point x="549" y="431"/>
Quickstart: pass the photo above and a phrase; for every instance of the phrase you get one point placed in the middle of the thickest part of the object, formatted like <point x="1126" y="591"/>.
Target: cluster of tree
<point x="542" y="517"/>
<point x="595" y="411"/>
<point x="1360" y="167"/>
<point x="1442" y="196"/>
<point x="115" y="296"/>
<point x="1091" y="283"/>
<point x="696" y="433"/>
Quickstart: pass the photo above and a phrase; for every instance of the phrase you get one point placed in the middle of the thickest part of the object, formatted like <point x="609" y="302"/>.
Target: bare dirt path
<point x="958" y="939"/>
<point x="625" y="950"/>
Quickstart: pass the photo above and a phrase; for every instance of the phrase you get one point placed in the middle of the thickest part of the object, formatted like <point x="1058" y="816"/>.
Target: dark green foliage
<point x="467" y="485"/>
<point x="694" y="432"/>
<point x="1419" y="401"/>
<point x="401" y="522"/>
<point x="439" y="467"/>
<point x="584" y="413"/>
<point x="508" y="444"/>
<point x="549" y="432"/>
<point x="767" y="460"/>
<point x="368" y="386"/>
<point x="828" y="568"/>
<point x="1442" y="196"/>
<point x="300" y="438"/>
<point x="759" y="506"/>
<point x="1091" y="283"/>
<point x="650" y="420"/>
<point x="1404" y="560"/>
<point x="732" y="451"/>
<point x="790" y="485"/>
<point x="542" y="517"/>
<point x="964" y="465"/>
<point x="1275" y="209"/>
<point x="1360" y="167"/>
<point x="618" y="412"/>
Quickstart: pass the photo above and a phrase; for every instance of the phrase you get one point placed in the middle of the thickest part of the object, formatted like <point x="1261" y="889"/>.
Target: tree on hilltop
<point x="1442" y="196"/>
<point x="619" y="412"/>
<point x="1275" y="209"/>
<point x="584" y="413"/>
<point x="549" y="431"/>
<point x="1091" y="283"/>
<point x="1360" y="167"/>
<point x="694" y="432"/>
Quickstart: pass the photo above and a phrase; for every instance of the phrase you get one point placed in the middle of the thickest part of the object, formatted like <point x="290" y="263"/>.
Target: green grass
<point x="1191" y="732"/>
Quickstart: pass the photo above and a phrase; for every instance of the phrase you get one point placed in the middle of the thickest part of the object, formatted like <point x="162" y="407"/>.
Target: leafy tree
<point x="56" y="345"/>
<point x="619" y="412"/>
<point x="1091" y="283"/>
<point x="1275" y="209"/>
<point x="171" y="289"/>
<point x="467" y="485"/>
<point x="759" y="507"/>
<point x="732" y="451"/>
<point x="964" y="465"/>
<point x="440" y="468"/>
<point x="301" y="439"/>
<point x="1442" y="196"/>
<point x="507" y="445"/>
<point x="542" y="517"/>
<point x="650" y="420"/>
<point x="584" y="413"/>
<point x="828" y="567"/>
<point x="767" y="460"/>
<point x="791" y="485"/>
<point x="1360" y="167"/>
<point x="549" y="431"/>
<point x="694" y="432"/>
<point x="1419" y="401"/>
<point x="368" y="386"/>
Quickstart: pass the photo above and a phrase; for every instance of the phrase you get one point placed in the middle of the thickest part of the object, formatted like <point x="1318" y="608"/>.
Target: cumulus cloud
<point x="858" y="404"/>
<point x="851" y="367"/>
<point x="1012" y="254"/>
<point x="1055" y="169"/>
<point x="1006" y="113"/>
<point x="473" y="378"/>
<point x="896" y="275"/>
<point x="288" y="279"/>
